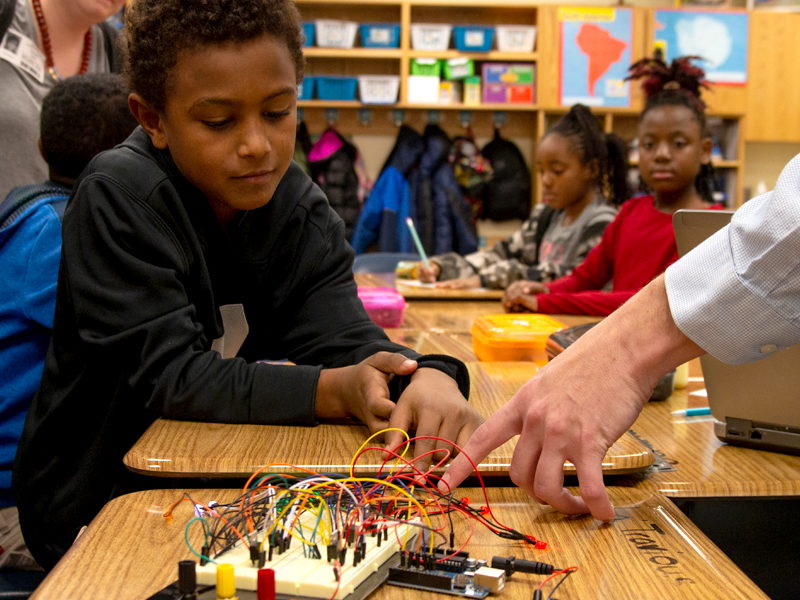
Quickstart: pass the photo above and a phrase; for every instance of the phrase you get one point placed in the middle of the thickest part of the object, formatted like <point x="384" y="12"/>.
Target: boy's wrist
<point x="329" y="402"/>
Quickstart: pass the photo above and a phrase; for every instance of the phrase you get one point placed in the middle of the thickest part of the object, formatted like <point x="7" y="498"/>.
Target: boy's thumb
<point x="392" y="363"/>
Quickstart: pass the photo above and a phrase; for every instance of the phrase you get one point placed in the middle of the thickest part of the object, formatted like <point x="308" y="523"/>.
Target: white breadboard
<point x="297" y="575"/>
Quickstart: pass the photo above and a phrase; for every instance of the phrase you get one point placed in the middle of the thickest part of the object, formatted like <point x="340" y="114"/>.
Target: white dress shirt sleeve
<point x="737" y="295"/>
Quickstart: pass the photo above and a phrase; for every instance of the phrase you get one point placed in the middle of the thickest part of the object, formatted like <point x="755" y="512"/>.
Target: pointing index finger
<point x="495" y="431"/>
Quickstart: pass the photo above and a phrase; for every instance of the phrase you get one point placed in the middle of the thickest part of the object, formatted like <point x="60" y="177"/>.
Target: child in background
<point x="675" y="163"/>
<point x="81" y="116"/>
<point x="193" y="251"/>
<point x="577" y="163"/>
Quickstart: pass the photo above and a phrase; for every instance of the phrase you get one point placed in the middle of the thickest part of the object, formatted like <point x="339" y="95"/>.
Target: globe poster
<point x="719" y="38"/>
<point x="595" y="56"/>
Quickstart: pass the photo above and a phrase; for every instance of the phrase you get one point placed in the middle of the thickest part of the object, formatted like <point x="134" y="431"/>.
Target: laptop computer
<point x="755" y="404"/>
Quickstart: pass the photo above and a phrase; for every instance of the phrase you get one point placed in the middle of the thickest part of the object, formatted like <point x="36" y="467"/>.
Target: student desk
<point x="192" y="449"/>
<point x="130" y="551"/>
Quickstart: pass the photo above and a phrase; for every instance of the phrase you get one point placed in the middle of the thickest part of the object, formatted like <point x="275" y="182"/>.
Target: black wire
<point x="562" y="580"/>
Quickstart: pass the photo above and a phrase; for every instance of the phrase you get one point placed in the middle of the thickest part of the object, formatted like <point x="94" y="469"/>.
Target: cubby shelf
<point x="526" y="122"/>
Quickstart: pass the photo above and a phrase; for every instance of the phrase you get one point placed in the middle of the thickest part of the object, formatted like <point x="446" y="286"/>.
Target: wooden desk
<point x="130" y="551"/>
<point x="705" y="466"/>
<point x="192" y="449"/>
<point x="458" y="315"/>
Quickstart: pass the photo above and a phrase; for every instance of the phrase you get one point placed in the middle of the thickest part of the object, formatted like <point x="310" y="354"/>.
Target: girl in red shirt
<point x="675" y="164"/>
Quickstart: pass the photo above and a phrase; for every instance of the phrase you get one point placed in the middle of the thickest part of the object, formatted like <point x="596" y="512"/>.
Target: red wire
<point x="557" y="573"/>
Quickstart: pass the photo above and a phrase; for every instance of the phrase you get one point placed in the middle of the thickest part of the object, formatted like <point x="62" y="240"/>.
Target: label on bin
<point x="379" y="36"/>
<point x="474" y="38"/>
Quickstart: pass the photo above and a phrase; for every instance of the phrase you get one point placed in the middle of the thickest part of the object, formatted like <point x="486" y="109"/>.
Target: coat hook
<point x="433" y="117"/>
<point x="365" y="116"/>
<point x="466" y="118"/>
<point x="499" y="118"/>
<point x="398" y="116"/>
<point x="331" y="116"/>
<point x="300" y="114"/>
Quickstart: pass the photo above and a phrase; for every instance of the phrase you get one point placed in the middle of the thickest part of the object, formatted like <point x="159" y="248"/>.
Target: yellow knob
<point x="226" y="581"/>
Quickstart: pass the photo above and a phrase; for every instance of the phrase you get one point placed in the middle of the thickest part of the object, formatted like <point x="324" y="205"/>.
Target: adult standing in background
<point x="737" y="296"/>
<point x="44" y="41"/>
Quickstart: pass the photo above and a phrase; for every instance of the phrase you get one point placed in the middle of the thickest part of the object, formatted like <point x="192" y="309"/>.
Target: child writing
<point x="675" y="163"/>
<point x="577" y="163"/>
<point x="81" y="116"/>
<point x="191" y="252"/>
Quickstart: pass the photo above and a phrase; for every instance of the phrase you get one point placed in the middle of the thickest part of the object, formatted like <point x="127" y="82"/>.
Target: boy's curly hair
<point x="82" y="116"/>
<point x="156" y="31"/>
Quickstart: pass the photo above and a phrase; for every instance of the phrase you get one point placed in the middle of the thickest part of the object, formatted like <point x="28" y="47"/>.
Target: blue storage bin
<point x="336" y="88"/>
<point x="305" y="91"/>
<point x="380" y="35"/>
<point x="473" y="38"/>
<point x="308" y="31"/>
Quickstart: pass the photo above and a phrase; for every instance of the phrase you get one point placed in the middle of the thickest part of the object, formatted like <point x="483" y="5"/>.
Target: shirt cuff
<point x="718" y="312"/>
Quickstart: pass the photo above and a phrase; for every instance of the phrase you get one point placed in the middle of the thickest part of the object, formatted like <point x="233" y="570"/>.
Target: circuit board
<point x="442" y="582"/>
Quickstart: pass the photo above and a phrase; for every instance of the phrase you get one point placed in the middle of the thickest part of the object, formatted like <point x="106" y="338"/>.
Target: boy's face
<point x="229" y="121"/>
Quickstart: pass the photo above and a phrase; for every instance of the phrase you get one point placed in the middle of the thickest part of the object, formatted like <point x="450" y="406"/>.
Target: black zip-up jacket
<point x="145" y="268"/>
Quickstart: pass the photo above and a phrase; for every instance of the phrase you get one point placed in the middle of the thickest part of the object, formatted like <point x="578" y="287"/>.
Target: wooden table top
<point x="706" y="467"/>
<point x="433" y="315"/>
<point x="130" y="551"/>
<point x="193" y="449"/>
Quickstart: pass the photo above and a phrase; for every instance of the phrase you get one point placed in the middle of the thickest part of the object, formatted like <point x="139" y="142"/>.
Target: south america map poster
<point x="595" y="55"/>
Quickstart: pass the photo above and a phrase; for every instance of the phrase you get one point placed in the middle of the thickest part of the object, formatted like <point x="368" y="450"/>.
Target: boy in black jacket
<point x="195" y="249"/>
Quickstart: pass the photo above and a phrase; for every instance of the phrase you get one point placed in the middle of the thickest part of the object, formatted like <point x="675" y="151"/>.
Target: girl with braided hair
<point x="674" y="163"/>
<point x="584" y="178"/>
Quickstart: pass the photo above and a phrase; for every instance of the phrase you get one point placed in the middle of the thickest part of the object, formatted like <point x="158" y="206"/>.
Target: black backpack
<point x="508" y="194"/>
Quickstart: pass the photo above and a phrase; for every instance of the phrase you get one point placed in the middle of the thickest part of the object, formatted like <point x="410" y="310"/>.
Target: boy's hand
<point x="362" y="390"/>
<point x="433" y="406"/>
<point x="521" y="296"/>
<point x="428" y="275"/>
<point x="460" y="284"/>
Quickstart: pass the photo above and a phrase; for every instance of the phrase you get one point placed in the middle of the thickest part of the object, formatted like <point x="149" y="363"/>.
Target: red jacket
<point x="637" y="246"/>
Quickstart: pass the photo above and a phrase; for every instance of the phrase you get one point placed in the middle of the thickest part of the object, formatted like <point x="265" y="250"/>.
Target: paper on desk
<point x="432" y="286"/>
<point x="703" y="393"/>
<point x="415" y="283"/>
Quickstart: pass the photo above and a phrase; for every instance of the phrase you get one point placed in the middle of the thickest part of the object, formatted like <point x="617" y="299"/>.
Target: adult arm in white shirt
<point x="736" y="295"/>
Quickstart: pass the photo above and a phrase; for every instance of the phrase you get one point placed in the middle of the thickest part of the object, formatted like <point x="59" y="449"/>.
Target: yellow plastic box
<point x="513" y="337"/>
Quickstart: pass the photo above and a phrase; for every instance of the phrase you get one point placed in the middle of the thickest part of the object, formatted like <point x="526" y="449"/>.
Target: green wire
<point x="186" y="536"/>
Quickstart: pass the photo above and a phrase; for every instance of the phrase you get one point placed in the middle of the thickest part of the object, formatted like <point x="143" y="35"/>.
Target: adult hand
<point x="460" y="284"/>
<point x="520" y="296"/>
<point x="432" y="405"/>
<point x="580" y="403"/>
<point x="426" y="275"/>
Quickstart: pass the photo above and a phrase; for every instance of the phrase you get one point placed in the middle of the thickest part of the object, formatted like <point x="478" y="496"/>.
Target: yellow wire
<point x="369" y="439"/>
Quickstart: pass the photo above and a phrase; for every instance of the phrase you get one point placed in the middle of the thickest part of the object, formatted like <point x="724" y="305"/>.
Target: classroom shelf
<point x="376" y="53"/>
<point x="493" y="55"/>
<point x="717" y="164"/>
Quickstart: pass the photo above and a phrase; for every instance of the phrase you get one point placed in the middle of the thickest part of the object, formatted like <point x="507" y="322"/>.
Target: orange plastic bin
<point x="513" y="337"/>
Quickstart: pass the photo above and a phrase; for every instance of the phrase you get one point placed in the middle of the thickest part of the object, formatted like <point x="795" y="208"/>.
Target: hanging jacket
<point x="442" y="216"/>
<point x="383" y="218"/>
<point x="332" y="164"/>
<point x="417" y="181"/>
